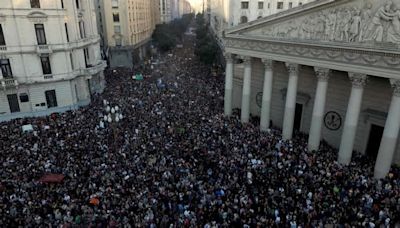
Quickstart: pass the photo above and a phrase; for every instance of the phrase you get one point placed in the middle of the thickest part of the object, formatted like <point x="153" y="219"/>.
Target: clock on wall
<point x="259" y="99"/>
<point x="333" y="120"/>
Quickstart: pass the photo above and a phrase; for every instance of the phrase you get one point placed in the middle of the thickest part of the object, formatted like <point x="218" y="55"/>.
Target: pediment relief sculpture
<point x="361" y="21"/>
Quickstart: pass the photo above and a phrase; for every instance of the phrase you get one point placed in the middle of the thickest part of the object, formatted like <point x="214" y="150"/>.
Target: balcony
<point x="43" y="49"/>
<point x="94" y="69"/>
<point x="8" y="83"/>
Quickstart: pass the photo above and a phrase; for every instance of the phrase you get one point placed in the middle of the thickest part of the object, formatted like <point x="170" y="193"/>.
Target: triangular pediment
<point x="366" y="23"/>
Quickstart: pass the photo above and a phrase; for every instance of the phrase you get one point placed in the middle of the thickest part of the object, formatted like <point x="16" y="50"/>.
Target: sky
<point x="197" y="5"/>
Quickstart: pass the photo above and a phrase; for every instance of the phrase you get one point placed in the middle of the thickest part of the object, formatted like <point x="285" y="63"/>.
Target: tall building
<point x="329" y="69"/>
<point x="174" y="9"/>
<point x="165" y="11"/>
<point x="224" y="14"/>
<point x="156" y="12"/>
<point x="49" y="56"/>
<point x="127" y="29"/>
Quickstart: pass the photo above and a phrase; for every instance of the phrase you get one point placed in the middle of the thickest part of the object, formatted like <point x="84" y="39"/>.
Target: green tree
<point x="165" y="36"/>
<point x="206" y="46"/>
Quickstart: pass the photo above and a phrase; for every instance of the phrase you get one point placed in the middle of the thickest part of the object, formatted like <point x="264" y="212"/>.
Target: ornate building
<point x="330" y="68"/>
<point x="49" y="56"/>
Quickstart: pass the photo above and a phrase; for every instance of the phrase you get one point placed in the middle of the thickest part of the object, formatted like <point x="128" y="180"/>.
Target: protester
<point x="176" y="161"/>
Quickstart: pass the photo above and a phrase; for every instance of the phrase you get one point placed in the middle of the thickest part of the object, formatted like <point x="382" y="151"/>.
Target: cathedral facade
<point x="330" y="68"/>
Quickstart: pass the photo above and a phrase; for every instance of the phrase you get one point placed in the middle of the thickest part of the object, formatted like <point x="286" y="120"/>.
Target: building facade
<point x="330" y="68"/>
<point x="127" y="29"/>
<point x="173" y="9"/>
<point x="50" y="56"/>
<point x="165" y="11"/>
<point x="224" y="14"/>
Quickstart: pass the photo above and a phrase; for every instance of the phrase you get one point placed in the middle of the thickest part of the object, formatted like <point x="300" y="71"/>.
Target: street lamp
<point x="113" y="115"/>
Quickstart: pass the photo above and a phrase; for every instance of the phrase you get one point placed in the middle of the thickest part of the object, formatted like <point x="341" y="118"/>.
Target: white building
<point x="166" y="11"/>
<point x="49" y="55"/>
<point x="330" y="68"/>
<point x="224" y="14"/>
<point x="173" y="9"/>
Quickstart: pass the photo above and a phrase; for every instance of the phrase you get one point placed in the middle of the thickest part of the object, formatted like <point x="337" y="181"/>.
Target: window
<point x="114" y="3"/>
<point x="6" y="68"/>
<point x="245" y="5"/>
<point x="77" y="4"/>
<point x="66" y="31"/>
<point x="86" y="55"/>
<point x="2" y="40"/>
<point x="62" y="4"/>
<point x="13" y="102"/>
<point x="260" y="5"/>
<point x="40" y="34"/>
<point x="82" y="29"/>
<point x="269" y="5"/>
<point x="243" y="19"/>
<point x="72" y="61"/>
<point x="118" y="42"/>
<point x="23" y="97"/>
<point x="35" y="3"/>
<point x="279" y="5"/>
<point x="46" y="68"/>
<point x="51" y="98"/>
<point x="300" y="3"/>
<point x="116" y="17"/>
<point x="117" y="29"/>
<point x="290" y="5"/>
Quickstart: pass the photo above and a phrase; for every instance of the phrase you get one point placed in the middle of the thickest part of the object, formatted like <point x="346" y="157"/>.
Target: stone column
<point x="228" y="84"/>
<point x="245" y="113"/>
<point x="267" y="94"/>
<point x="353" y="112"/>
<point x="390" y="134"/>
<point x="319" y="108"/>
<point x="290" y="106"/>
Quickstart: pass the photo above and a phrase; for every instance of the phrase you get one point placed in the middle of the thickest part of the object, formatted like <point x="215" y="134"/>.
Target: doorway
<point x="13" y="102"/>
<point x="297" y="117"/>
<point x="374" y="141"/>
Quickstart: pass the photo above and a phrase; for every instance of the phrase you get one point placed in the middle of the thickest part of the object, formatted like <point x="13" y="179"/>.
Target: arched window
<point x="243" y="19"/>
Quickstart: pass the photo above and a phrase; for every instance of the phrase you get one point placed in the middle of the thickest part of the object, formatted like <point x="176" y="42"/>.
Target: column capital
<point x="358" y="80"/>
<point x="267" y="63"/>
<point x="228" y="56"/>
<point x="322" y="74"/>
<point x="246" y="60"/>
<point x="396" y="87"/>
<point x="292" y="68"/>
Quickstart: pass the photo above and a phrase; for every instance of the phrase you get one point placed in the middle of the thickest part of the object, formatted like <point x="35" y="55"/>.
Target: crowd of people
<point x="174" y="160"/>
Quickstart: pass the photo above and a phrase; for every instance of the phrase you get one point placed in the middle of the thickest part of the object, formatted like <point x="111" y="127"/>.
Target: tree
<point x="166" y="36"/>
<point x="163" y="37"/>
<point x="206" y="46"/>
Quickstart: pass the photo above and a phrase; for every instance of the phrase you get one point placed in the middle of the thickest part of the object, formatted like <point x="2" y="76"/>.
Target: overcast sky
<point x="197" y="4"/>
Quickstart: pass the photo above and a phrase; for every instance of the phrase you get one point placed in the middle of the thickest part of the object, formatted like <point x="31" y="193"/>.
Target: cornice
<point x="345" y="55"/>
<point x="383" y="48"/>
